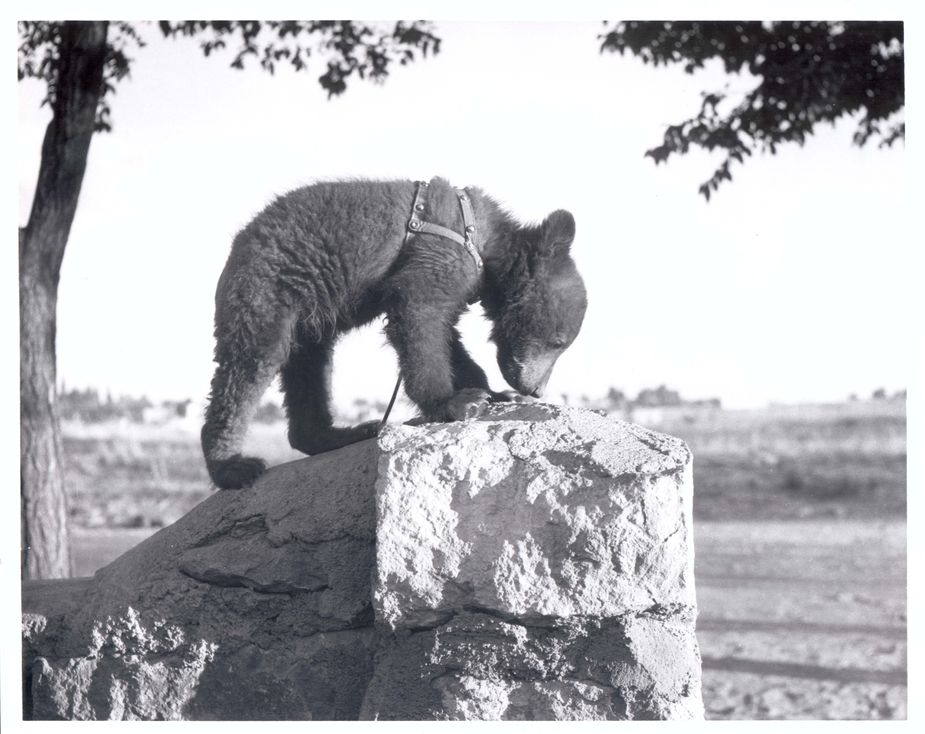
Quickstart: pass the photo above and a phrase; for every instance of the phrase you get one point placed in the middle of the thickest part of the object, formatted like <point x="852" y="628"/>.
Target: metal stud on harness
<point x="416" y="225"/>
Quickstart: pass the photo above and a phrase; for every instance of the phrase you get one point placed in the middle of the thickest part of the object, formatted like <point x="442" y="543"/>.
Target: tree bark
<point x="78" y="88"/>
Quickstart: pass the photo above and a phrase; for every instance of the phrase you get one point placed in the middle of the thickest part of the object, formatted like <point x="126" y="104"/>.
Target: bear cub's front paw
<point x="468" y="403"/>
<point x="511" y="396"/>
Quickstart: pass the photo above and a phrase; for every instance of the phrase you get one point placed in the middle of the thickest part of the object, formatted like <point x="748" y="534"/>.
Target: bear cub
<point x="332" y="256"/>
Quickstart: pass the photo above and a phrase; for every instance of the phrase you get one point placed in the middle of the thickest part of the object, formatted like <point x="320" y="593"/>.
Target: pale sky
<point x="794" y="283"/>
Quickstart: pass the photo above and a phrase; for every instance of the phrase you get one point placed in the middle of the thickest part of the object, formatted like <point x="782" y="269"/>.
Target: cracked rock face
<point x="536" y="563"/>
<point x="540" y="512"/>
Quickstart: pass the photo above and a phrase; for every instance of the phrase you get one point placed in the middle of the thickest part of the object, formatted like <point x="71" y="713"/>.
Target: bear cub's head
<point x="538" y="311"/>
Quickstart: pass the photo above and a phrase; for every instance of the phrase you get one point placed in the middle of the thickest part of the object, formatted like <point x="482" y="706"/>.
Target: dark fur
<point x="329" y="257"/>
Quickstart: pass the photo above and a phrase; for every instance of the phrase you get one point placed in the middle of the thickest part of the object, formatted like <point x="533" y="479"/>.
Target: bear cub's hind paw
<point x="236" y="472"/>
<point x="320" y="441"/>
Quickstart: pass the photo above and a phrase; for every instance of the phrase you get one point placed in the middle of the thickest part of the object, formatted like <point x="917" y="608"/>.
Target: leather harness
<point x="417" y="225"/>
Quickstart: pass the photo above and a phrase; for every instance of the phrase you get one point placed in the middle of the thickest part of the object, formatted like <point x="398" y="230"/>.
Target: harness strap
<point x="385" y="416"/>
<point x="416" y="225"/>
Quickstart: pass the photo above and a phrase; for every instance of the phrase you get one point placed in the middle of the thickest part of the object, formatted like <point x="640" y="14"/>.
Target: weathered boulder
<point x="535" y="566"/>
<point x="255" y="605"/>
<point x="536" y="563"/>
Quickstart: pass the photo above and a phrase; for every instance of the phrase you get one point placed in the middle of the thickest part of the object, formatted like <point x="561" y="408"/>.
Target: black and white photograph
<point x="490" y="366"/>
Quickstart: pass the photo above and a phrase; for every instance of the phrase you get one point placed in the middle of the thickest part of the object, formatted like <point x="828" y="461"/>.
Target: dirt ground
<point x="798" y="620"/>
<point x="802" y="620"/>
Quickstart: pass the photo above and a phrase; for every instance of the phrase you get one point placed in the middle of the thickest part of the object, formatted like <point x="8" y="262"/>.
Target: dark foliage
<point x="348" y="47"/>
<point x="344" y="47"/>
<point x="808" y="72"/>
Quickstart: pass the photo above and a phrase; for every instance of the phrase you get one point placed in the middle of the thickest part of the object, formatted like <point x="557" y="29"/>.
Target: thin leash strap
<point x="385" y="417"/>
<point x="416" y="225"/>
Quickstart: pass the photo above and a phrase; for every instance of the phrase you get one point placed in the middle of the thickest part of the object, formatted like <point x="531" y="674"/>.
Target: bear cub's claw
<point x="237" y="472"/>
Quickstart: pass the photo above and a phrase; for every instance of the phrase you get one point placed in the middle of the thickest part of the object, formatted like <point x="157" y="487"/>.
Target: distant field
<point x="131" y="475"/>
<point x="844" y="460"/>
<point x="840" y="461"/>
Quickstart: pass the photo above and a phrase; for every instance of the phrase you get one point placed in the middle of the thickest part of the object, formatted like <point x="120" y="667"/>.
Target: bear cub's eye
<point x="559" y="343"/>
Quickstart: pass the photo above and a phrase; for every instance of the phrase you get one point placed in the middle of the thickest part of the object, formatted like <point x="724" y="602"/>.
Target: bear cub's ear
<point x="558" y="231"/>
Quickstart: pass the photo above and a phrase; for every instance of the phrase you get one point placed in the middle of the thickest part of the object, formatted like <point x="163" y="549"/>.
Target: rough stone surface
<point x="255" y="605"/>
<point x="538" y="565"/>
<point x="535" y="563"/>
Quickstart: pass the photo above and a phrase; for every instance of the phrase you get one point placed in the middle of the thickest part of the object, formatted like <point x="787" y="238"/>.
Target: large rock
<point x="255" y="605"/>
<point x="533" y="564"/>
<point x="538" y="565"/>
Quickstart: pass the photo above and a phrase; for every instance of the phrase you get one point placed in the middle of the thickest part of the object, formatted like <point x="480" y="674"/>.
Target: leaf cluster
<point x="809" y="72"/>
<point x="346" y="48"/>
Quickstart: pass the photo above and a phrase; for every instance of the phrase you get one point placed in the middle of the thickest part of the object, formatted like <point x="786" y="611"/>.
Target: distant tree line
<point x="87" y="406"/>
<point x="651" y="397"/>
<point x="881" y="394"/>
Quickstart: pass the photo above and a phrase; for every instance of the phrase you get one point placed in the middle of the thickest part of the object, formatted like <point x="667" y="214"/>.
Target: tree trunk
<point x="78" y="87"/>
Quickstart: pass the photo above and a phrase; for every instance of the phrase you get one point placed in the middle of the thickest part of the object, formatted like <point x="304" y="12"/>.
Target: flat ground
<point x="802" y="620"/>
<point x="800" y="540"/>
